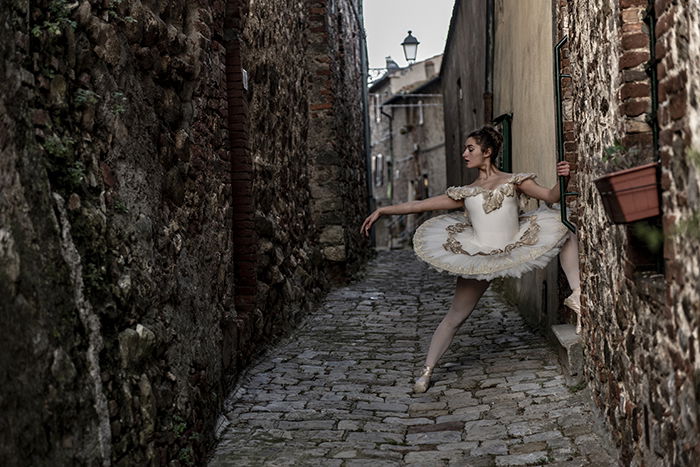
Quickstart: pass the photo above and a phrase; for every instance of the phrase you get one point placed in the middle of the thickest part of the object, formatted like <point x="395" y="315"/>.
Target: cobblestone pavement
<point x="338" y="391"/>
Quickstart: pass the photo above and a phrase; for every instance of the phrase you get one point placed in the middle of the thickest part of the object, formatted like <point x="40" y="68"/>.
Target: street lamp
<point x="410" y="47"/>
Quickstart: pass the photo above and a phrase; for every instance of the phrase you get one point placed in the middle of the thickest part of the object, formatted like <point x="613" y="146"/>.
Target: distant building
<point x="408" y="149"/>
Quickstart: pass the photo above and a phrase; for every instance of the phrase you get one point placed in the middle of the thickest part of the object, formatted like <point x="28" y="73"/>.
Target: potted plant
<point x="630" y="191"/>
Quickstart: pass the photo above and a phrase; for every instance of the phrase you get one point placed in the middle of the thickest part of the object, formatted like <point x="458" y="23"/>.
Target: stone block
<point x="570" y="351"/>
<point x="334" y="253"/>
<point x="333" y="235"/>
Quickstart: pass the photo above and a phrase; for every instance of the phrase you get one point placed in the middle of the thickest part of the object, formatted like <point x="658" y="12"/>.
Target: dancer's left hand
<point x="563" y="169"/>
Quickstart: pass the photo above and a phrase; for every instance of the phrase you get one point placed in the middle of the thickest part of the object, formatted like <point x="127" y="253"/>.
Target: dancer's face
<point x="473" y="155"/>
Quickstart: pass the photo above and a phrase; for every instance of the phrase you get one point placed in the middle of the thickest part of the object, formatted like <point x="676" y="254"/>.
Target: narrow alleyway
<point x="338" y="391"/>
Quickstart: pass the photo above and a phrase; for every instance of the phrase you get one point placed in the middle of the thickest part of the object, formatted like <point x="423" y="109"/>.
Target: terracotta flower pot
<point x="630" y="195"/>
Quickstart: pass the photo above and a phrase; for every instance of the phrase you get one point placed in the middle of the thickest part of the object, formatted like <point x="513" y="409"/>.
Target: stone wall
<point x="523" y="47"/>
<point x="115" y="231"/>
<point x="127" y="310"/>
<point x="336" y="137"/>
<point x="640" y="329"/>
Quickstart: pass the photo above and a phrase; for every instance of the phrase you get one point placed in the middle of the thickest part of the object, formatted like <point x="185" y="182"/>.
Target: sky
<point x="387" y="23"/>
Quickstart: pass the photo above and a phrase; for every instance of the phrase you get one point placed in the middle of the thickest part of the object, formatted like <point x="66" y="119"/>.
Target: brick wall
<point x="639" y="328"/>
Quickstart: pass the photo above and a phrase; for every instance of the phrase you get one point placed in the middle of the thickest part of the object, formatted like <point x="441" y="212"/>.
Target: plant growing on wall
<point x="618" y="157"/>
<point x="58" y="17"/>
<point x="690" y="226"/>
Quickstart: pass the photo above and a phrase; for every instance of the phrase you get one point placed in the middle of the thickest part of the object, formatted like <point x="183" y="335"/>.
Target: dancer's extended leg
<point x="568" y="258"/>
<point x="467" y="295"/>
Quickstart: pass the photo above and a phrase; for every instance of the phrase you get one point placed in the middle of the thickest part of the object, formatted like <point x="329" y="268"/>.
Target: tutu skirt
<point x="450" y="244"/>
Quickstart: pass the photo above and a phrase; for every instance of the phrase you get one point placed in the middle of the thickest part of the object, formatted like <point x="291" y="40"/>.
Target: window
<point x="420" y="112"/>
<point x="505" y="158"/>
<point x="429" y="69"/>
<point x="378" y="170"/>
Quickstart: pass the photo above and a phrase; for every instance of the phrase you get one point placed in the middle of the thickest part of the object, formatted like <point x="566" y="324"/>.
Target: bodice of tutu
<point x="493" y="213"/>
<point x="495" y="228"/>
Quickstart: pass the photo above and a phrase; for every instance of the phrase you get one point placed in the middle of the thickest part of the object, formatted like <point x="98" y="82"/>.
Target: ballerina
<point x="489" y="239"/>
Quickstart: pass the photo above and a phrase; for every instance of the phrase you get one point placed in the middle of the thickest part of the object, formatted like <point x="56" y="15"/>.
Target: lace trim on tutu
<point x="536" y="261"/>
<point x="493" y="199"/>
<point x="529" y="237"/>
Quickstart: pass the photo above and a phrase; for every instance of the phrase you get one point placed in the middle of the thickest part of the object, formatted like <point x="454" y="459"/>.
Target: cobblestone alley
<point x="337" y="392"/>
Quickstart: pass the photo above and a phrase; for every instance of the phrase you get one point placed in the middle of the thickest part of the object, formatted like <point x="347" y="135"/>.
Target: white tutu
<point x="492" y="240"/>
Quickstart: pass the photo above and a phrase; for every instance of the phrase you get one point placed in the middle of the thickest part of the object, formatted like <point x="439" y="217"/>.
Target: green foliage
<point x="577" y="387"/>
<point x="114" y="14"/>
<point x="76" y="173"/>
<point x="693" y="156"/>
<point x="613" y="152"/>
<point x="120" y="102"/>
<point x="120" y="207"/>
<point x="58" y="18"/>
<point x="186" y="455"/>
<point x="689" y="227"/>
<point x="65" y="170"/>
<point x="651" y="235"/>
<point x="179" y="425"/>
<point x="59" y="148"/>
<point x="619" y="157"/>
<point x="85" y="97"/>
<point x="47" y="71"/>
<point x="93" y="276"/>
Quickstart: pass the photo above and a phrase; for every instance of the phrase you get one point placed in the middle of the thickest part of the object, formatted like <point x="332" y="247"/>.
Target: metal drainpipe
<point x="653" y="121"/>
<point x="489" y="56"/>
<point x="364" y="65"/>
<point x="558" y="75"/>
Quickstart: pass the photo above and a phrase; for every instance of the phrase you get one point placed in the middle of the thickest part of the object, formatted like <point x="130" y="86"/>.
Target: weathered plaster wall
<point x="463" y="83"/>
<point x="523" y="86"/>
<point x="523" y="83"/>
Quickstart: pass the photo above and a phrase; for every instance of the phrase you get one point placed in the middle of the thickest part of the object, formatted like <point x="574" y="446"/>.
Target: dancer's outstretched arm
<point x="435" y="203"/>
<point x="549" y="195"/>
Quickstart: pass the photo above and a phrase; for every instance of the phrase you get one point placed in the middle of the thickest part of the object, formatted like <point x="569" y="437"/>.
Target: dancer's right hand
<point x="367" y="224"/>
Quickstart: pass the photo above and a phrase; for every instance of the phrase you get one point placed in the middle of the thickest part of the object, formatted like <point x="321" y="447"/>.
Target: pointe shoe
<point x="573" y="301"/>
<point x="423" y="381"/>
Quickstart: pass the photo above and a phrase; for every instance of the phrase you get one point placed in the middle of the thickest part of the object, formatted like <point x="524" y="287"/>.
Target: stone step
<point x="570" y="349"/>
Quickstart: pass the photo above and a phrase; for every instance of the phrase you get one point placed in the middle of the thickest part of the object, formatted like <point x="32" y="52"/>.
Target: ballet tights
<point x="469" y="291"/>
<point x="467" y="295"/>
<point x="568" y="258"/>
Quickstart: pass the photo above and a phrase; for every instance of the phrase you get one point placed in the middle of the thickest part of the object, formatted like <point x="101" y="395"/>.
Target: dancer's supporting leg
<point x="568" y="258"/>
<point x="467" y="295"/>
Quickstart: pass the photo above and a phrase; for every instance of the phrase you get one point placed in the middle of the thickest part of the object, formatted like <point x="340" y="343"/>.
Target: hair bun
<point x="488" y="137"/>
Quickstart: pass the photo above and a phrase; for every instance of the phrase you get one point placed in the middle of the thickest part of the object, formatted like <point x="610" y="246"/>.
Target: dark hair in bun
<point x="488" y="138"/>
